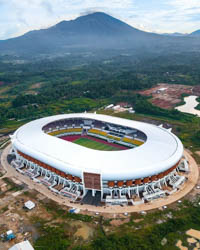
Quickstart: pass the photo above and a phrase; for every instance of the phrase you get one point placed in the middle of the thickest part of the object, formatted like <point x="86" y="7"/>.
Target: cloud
<point x="20" y="16"/>
<point x="167" y="16"/>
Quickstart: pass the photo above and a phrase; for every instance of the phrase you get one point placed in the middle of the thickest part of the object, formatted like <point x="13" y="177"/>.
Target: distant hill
<point x="175" y="34"/>
<point x="195" y="33"/>
<point x="93" y="31"/>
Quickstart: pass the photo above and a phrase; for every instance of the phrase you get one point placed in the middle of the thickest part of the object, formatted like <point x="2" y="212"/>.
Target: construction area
<point x="25" y="222"/>
<point x="168" y="96"/>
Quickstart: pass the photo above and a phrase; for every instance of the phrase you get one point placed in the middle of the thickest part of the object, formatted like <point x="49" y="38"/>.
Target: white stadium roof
<point x="161" y="150"/>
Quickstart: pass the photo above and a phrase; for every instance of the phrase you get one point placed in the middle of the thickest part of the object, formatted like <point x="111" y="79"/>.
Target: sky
<point x="161" y="16"/>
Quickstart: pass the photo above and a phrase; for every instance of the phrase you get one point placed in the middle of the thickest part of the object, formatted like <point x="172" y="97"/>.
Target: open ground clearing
<point x="167" y="96"/>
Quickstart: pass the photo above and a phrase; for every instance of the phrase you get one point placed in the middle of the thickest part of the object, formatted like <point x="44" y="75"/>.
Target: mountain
<point x="195" y="33"/>
<point x="97" y="30"/>
<point x="90" y="32"/>
<point x="175" y="34"/>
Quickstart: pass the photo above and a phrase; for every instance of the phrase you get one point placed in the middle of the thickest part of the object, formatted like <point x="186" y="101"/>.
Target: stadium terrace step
<point x="92" y="200"/>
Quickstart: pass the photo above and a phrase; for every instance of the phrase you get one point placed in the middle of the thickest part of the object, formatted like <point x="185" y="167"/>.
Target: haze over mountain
<point x="175" y="34"/>
<point x="93" y="31"/>
<point x="195" y="33"/>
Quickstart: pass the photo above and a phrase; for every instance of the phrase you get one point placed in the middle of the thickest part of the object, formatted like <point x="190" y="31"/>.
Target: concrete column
<point x="165" y="182"/>
<point x="84" y="191"/>
<point x="102" y="194"/>
<point x="186" y="165"/>
<point x="137" y="191"/>
<point x="120" y="193"/>
<point x="42" y="171"/>
<point x="59" y="180"/>
<point x="129" y="192"/>
<point x="93" y="192"/>
<point x="160" y="184"/>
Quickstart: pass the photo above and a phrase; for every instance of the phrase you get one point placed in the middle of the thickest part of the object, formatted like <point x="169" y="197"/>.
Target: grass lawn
<point x="94" y="145"/>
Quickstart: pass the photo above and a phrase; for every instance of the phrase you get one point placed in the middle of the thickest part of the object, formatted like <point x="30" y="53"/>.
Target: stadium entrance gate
<point x="92" y="188"/>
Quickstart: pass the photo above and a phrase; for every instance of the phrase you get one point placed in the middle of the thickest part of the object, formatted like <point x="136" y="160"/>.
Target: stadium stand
<point x="113" y="137"/>
<point x="133" y="141"/>
<point x="97" y="132"/>
<point x="66" y="131"/>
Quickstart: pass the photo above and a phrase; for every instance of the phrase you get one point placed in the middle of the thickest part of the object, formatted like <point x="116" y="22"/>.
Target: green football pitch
<point x="94" y="144"/>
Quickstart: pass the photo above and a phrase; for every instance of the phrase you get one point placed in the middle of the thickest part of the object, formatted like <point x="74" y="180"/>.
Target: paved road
<point x="193" y="177"/>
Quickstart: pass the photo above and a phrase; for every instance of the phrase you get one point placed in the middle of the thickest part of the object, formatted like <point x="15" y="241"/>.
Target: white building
<point x="29" y="205"/>
<point x="24" y="245"/>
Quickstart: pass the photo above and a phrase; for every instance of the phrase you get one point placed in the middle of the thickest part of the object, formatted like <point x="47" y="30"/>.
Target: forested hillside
<point x="35" y="89"/>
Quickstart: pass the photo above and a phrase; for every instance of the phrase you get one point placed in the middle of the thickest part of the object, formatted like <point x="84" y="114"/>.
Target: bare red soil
<point x="167" y="96"/>
<point x="196" y="90"/>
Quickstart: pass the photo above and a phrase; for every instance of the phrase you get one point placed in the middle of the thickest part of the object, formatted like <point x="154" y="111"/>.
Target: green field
<point x="94" y="145"/>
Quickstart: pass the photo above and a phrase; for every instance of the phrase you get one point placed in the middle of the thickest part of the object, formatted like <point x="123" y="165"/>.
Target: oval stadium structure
<point x="98" y="159"/>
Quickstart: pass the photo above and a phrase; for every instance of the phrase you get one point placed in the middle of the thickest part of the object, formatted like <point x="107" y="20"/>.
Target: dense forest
<point x="31" y="89"/>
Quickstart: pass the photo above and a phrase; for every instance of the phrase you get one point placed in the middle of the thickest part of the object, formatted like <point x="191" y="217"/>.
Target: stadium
<point x="98" y="159"/>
